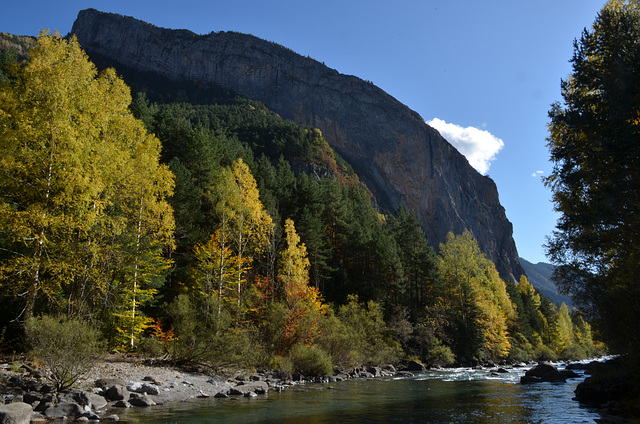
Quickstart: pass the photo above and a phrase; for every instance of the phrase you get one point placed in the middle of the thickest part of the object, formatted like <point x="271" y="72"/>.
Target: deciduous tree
<point x="594" y="142"/>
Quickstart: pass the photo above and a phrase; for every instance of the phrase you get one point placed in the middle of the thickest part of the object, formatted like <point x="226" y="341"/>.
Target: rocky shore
<point x="118" y="382"/>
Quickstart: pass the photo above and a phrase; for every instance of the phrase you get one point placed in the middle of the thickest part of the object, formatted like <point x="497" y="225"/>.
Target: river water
<point x="451" y="396"/>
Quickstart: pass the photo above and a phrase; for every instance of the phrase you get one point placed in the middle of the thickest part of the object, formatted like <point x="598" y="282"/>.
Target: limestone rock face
<point x="391" y="148"/>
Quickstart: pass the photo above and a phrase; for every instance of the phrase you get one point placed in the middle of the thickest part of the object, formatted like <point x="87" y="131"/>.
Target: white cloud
<point x="537" y="174"/>
<point x="480" y="147"/>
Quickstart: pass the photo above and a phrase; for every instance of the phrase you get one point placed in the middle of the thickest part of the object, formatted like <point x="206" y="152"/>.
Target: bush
<point x="574" y="352"/>
<point x="439" y="354"/>
<point x="282" y="365"/>
<point x="336" y="341"/>
<point x="69" y="348"/>
<point x="545" y="353"/>
<point x="369" y="340"/>
<point x="311" y="360"/>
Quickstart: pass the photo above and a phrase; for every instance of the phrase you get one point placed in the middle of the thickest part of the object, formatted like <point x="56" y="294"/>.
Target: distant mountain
<point x="539" y="276"/>
<point x="401" y="159"/>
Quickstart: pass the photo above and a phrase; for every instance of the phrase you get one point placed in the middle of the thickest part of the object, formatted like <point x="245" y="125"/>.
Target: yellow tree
<point x="303" y="302"/>
<point x="477" y="298"/>
<point x="252" y="224"/>
<point x="83" y="214"/>
<point x="227" y="202"/>
<point x="216" y="268"/>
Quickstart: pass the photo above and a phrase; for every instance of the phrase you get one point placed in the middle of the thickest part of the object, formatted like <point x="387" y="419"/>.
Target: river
<point x="451" y="396"/>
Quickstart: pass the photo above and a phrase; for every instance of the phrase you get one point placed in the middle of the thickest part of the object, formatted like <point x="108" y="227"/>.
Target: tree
<point x="594" y="142"/>
<point x="303" y="302"/>
<point x="83" y="211"/>
<point x="252" y="224"/>
<point x="477" y="297"/>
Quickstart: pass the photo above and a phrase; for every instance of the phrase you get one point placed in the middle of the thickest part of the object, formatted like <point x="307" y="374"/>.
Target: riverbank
<point x="119" y="381"/>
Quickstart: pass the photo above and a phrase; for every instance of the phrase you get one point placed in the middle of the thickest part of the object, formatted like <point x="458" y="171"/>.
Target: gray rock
<point x="98" y="402"/>
<point x="259" y="387"/>
<point x="15" y="413"/>
<point x="540" y="370"/>
<point x="394" y="152"/>
<point x="32" y="398"/>
<point x="121" y="404"/>
<point x="143" y="387"/>
<point x="141" y="400"/>
<point x="117" y="392"/>
<point x="105" y="383"/>
<point x="112" y="417"/>
<point x="64" y="409"/>
<point x="76" y="396"/>
<point x="404" y="374"/>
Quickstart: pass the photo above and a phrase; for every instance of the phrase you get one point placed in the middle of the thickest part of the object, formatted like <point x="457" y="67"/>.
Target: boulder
<point x="543" y="372"/>
<point x="15" y="413"/>
<point x="527" y="379"/>
<point x="541" y="369"/>
<point x="415" y="366"/>
<point x="97" y="402"/>
<point x="117" y="392"/>
<point x="141" y="400"/>
<point x="143" y="387"/>
<point x="122" y="404"/>
<point x="105" y="383"/>
<point x="375" y="371"/>
<point x="258" y="387"/>
<point x="76" y="396"/>
<point x="404" y="374"/>
<point x="32" y="398"/>
<point x="64" y="409"/>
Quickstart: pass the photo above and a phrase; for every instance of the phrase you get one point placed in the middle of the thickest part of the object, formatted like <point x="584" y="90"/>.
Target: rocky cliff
<point x="399" y="157"/>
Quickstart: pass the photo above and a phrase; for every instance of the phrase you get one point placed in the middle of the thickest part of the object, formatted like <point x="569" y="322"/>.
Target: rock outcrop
<point x="400" y="158"/>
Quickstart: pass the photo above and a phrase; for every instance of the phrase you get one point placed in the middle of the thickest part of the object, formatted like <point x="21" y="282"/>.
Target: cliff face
<point x="398" y="156"/>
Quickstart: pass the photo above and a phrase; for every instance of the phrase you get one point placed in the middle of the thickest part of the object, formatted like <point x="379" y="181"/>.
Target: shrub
<point x="369" y="340"/>
<point x="545" y="353"/>
<point x="574" y="352"/>
<point x="282" y="365"/>
<point x="311" y="360"/>
<point x="440" y="355"/>
<point x="68" y="348"/>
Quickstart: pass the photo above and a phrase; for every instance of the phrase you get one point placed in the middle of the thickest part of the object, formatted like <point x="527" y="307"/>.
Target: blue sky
<point x="483" y="73"/>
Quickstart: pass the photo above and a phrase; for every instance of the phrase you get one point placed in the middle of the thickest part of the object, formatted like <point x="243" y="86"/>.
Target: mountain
<point x="539" y="276"/>
<point x="400" y="158"/>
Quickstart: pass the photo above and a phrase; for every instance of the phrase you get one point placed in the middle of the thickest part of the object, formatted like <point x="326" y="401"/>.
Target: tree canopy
<point x="594" y="141"/>
<point x="83" y="210"/>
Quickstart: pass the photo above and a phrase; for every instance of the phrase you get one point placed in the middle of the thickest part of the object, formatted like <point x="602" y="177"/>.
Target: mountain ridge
<point x="399" y="157"/>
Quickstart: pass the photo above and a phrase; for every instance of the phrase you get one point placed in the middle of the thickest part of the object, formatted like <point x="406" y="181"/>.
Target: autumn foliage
<point x="199" y="229"/>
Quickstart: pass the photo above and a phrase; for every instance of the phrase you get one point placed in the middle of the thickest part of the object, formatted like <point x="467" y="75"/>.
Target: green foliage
<point x="68" y="348"/>
<point x="310" y="360"/>
<point x="440" y="355"/>
<point x="593" y="143"/>
<point x="369" y="342"/>
<point x="477" y="298"/>
<point x="241" y="286"/>
<point x="83" y="215"/>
